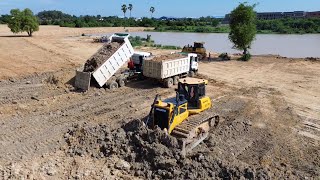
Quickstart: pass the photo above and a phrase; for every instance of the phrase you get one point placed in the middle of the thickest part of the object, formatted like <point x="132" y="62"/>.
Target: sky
<point x="175" y="8"/>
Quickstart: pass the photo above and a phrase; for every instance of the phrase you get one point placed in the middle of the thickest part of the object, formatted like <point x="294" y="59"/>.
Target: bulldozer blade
<point x="188" y="144"/>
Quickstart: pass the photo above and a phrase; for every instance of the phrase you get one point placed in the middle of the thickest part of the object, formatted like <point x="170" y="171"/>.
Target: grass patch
<point x="137" y="41"/>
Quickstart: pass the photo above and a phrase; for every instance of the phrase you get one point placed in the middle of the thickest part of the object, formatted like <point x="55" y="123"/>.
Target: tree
<point x="130" y="7"/>
<point x="152" y="10"/>
<point x="243" y="27"/>
<point x="124" y="9"/>
<point x="23" y="21"/>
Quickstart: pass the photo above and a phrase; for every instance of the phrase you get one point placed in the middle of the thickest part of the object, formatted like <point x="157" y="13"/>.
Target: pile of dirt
<point x="168" y="57"/>
<point x="101" y="56"/>
<point x="150" y="153"/>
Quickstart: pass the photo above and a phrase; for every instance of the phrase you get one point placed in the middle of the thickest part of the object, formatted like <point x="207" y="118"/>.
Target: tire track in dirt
<point x="41" y="132"/>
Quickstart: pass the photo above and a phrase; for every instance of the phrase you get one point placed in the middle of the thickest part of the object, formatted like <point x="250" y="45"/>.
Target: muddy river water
<point x="298" y="46"/>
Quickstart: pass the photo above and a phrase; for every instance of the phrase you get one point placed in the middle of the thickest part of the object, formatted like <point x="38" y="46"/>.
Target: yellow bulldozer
<point x="185" y="116"/>
<point x="197" y="48"/>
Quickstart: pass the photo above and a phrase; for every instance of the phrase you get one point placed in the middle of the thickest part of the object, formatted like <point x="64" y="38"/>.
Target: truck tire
<point x="122" y="82"/>
<point x="113" y="85"/>
<point x="175" y="80"/>
<point x="192" y="74"/>
<point x="168" y="82"/>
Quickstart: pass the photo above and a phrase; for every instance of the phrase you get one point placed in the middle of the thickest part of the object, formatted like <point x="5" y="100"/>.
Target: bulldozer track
<point x="183" y="130"/>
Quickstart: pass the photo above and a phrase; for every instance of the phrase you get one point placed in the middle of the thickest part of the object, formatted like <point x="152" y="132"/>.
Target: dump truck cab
<point x="136" y="61"/>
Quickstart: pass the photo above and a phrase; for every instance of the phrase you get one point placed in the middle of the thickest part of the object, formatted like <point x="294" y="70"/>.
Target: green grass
<point x="197" y="29"/>
<point x="137" y="41"/>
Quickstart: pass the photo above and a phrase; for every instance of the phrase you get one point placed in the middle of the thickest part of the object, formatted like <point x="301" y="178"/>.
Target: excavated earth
<point x="48" y="130"/>
<point x="104" y="53"/>
<point x="168" y="57"/>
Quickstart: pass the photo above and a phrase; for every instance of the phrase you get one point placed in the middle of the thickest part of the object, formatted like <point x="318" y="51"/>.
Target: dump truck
<point x="187" y="116"/>
<point x="103" y="67"/>
<point x="168" y="69"/>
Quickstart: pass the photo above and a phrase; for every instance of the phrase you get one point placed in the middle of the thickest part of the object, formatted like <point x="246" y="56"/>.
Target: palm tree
<point x="130" y="7"/>
<point x="124" y="9"/>
<point x="152" y="10"/>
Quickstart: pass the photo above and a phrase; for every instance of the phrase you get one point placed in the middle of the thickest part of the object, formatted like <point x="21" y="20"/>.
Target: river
<point x="295" y="46"/>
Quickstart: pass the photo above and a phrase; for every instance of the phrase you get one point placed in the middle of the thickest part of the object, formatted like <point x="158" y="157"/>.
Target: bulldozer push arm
<point x="151" y="110"/>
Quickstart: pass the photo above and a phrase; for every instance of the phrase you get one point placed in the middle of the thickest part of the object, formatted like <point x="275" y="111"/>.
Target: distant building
<point x="315" y="14"/>
<point x="279" y="15"/>
<point x="164" y="18"/>
<point x="270" y="15"/>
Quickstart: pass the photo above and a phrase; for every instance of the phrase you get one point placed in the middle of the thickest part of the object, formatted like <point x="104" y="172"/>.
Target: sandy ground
<point x="50" y="49"/>
<point x="269" y="105"/>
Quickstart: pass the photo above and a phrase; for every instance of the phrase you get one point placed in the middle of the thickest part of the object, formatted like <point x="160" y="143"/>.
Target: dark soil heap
<point x="151" y="153"/>
<point x="101" y="56"/>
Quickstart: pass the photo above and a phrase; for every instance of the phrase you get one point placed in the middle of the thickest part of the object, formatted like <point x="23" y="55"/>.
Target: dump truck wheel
<point x="121" y="82"/>
<point x="168" y="82"/>
<point x="175" y="80"/>
<point x="113" y="85"/>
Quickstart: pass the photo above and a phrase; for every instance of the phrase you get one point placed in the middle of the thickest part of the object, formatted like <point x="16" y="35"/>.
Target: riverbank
<point x="276" y="26"/>
<point x="292" y="46"/>
<point x="208" y="29"/>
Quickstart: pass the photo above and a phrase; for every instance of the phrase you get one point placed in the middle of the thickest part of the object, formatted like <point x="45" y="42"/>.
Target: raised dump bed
<point x="105" y="63"/>
<point x="169" y="68"/>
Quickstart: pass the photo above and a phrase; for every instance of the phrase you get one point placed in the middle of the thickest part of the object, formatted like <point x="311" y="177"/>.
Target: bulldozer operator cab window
<point x="182" y="109"/>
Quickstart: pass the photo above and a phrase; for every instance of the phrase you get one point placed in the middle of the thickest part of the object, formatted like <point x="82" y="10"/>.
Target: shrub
<point x="245" y="57"/>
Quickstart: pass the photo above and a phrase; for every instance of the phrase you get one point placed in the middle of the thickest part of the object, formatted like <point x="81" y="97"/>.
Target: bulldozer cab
<point x="198" y="45"/>
<point x="193" y="90"/>
<point x="170" y="112"/>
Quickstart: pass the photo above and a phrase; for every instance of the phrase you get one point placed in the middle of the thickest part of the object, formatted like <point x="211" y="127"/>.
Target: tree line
<point x="289" y="26"/>
<point x="202" y="24"/>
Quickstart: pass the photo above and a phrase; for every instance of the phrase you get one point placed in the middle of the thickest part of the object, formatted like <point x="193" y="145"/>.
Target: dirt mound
<point x="150" y="153"/>
<point x="168" y="57"/>
<point x="101" y="56"/>
<point x="312" y="59"/>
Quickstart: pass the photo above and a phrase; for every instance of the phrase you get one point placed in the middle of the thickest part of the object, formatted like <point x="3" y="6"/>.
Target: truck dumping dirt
<point x="168" y="57"/>
<point x="101" y="56"/>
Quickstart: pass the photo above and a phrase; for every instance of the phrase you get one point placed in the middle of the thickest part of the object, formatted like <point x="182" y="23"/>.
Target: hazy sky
<point x="177" y="8"/>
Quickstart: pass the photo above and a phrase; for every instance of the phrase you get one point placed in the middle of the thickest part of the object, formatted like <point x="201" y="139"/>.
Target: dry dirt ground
<point x="270" y="110"/>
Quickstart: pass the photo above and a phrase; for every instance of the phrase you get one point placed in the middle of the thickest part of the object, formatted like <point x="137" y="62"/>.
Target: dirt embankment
<point x="101" y="56"/>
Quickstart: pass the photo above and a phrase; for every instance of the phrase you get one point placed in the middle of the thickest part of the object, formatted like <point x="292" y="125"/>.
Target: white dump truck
<point x="168" y="69"/>
<point x="104" y="65"/>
